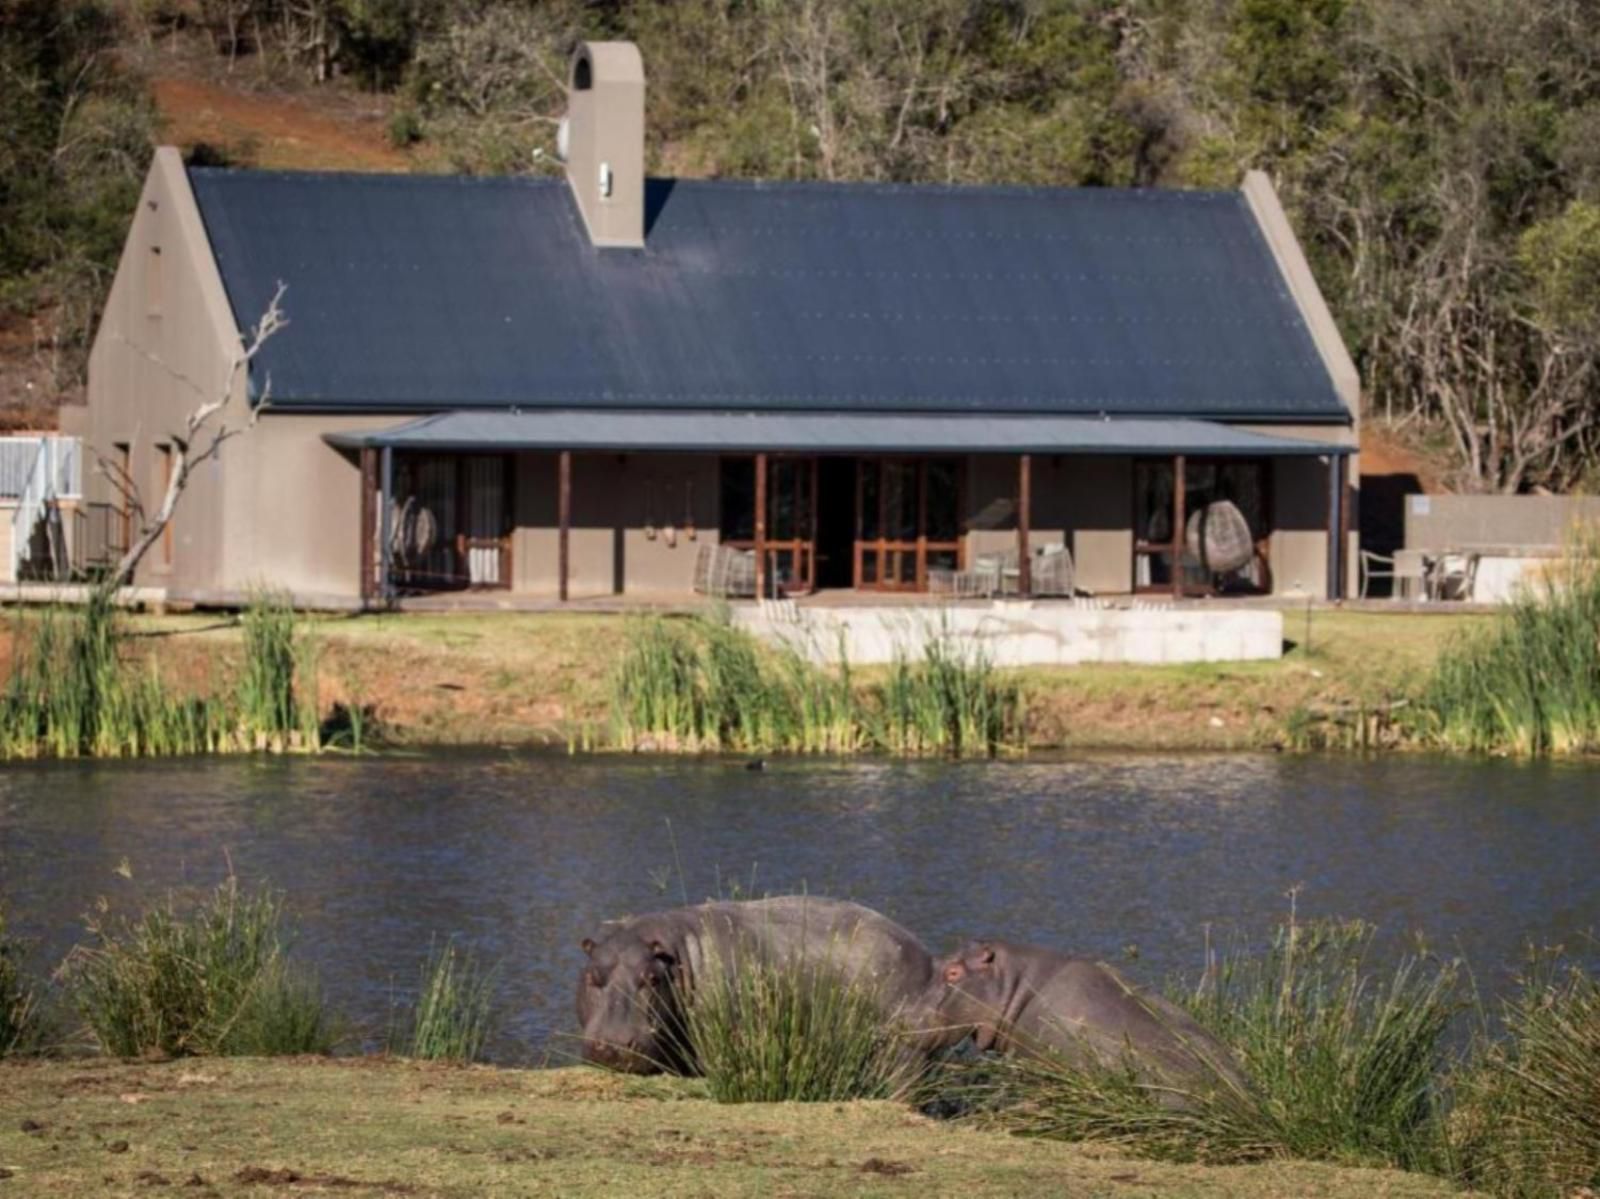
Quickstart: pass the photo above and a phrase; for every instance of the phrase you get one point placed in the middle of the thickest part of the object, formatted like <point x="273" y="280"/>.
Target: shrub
<point x="770" y="1032"/>
<point x="211" y="980"/>
<point x="454" y="1013"/>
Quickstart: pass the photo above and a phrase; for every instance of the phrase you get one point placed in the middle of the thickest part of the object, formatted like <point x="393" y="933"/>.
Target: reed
<point x="211" y="978"/>
<point x="454" y="1014"/>
<point x="278" y="671"/>
<point x="702" y="685"/>
<point x="774" y="1032"/>
<point x="950" y="701"/>
<point x="1526" y="1121"/>
<point x="1530" y="683"/>
<point x="72" y="693"/>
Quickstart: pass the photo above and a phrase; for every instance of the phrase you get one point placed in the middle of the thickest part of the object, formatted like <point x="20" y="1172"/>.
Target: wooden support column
<point x="1180" y="499"/>
<point x="563" y="521"/>
<point x="1336" y="484"/>
<point x="369" y="524"/>
<point x="1024" y="518"/>
<point x="761" y="526"/>
<point x="385" y="525"/>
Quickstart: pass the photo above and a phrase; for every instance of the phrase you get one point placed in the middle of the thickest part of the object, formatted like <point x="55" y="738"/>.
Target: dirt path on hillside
<point x="271" y="131"/>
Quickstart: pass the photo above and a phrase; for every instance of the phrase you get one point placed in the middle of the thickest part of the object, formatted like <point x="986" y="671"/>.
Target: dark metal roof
<point x="825" y="432"/>
<point x="427" y="292"/>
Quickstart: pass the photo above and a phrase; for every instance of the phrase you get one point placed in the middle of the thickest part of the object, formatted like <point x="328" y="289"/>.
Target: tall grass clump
<point x="698" y="685"/>
<point x="951" y="700"/>
<point x="1050" y="1097"/>
<point x="791" y="1031"/>
<point x="1529" y="684"/>
<point x="1527" y="1114"/>
<point x="19" y="1002"/>
<point x="211" y="978"/>
<point x="277" y="660"/>
<point x="72" y="693"/>
<point x="1345" y="1058"/>
<point x="453" y="1018"/>
<point x="1343" y="1064"/>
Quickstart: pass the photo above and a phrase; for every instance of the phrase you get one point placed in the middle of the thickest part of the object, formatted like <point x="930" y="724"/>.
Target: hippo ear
<point x="587" y="945"/>
<point x="985" y="955"/>
<point x="661" y="953"/>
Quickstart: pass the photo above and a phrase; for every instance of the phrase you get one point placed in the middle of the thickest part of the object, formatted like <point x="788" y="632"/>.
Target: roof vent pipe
<point x="602" y="141"/>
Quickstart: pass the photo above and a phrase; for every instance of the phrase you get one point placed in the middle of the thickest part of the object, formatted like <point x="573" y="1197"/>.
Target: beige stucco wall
<point x="616" y="500"/>
<point x="162" y="350"/>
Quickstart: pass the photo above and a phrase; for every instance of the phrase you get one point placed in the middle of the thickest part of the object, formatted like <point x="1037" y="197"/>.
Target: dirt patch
<point x="889" y="1169"/>
<point x="262" y="1176"/>
<point x="269" y="130"/>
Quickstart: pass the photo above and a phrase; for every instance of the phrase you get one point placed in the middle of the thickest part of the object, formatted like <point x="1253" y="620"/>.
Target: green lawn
<point x="281" y="1127"/>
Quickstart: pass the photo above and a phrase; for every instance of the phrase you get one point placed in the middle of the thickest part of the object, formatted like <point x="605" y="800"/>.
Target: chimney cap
<point x="605" y="62"/>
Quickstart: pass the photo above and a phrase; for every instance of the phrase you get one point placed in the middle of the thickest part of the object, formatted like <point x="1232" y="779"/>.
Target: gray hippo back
<point x="642" y="969"/>
<point x="1025" y="999"/>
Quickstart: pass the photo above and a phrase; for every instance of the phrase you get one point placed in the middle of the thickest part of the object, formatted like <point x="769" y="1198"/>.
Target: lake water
<point x="521" y="856"/>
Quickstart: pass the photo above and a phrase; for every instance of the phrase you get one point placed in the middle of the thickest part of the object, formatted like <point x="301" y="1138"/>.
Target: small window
<point x="123" y="486"/>
<point x="582" y="75"/>
<point x="153" y="283"/>
<point x="163" y="481"/>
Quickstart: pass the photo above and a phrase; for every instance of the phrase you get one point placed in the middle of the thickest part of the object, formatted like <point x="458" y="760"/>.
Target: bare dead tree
<point x="205" y="430"/>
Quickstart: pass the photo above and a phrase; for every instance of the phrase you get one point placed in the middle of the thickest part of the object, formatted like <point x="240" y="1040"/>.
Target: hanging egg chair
<point x="1218" y="537"/>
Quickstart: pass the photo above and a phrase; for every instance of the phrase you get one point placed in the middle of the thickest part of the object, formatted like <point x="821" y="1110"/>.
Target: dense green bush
<point x="213" y="977"/>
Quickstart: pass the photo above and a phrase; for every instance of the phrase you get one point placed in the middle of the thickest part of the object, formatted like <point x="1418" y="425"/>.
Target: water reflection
<point x="520" y="856"/>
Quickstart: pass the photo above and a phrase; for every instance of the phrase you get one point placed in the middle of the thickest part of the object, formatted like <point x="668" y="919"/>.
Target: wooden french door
<point x="791" y="519"/>
<point x="908" y="521"/>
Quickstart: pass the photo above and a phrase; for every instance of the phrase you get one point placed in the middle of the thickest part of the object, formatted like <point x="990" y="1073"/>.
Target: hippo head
<point x="627" y="1003"/>
<point x="968" y="997"/>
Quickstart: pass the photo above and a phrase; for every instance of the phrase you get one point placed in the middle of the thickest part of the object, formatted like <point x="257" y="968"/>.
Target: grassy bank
<point x="247" y="1126"/>
<point x="541" y="678"/>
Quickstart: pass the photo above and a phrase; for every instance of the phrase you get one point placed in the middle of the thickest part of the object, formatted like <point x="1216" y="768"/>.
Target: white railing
<point x="35" y="472"/>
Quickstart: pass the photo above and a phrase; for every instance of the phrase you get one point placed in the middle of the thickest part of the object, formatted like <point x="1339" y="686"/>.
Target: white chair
<point x="1402" y="568"/>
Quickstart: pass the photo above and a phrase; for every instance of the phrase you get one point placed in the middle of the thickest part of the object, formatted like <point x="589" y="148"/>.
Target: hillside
<point x="1438" y="158"/>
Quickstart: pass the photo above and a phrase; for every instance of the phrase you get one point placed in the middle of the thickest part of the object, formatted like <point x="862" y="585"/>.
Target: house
<point x="570" y="386"/>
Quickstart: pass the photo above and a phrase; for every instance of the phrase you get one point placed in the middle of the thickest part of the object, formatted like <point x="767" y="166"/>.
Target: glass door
<point x="908" y="521"/>
<point x="791" y="518"/>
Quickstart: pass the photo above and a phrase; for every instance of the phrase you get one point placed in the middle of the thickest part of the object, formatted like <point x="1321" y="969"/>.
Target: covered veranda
<point x="789" y="458"/>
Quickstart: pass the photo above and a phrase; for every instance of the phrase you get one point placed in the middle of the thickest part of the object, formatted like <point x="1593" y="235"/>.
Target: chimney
<point x="602" y="141"/>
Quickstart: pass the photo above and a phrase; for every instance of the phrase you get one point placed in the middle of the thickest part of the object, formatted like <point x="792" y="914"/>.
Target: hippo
<point x="1022" y="998"/>
<point x="642" y="969"/>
